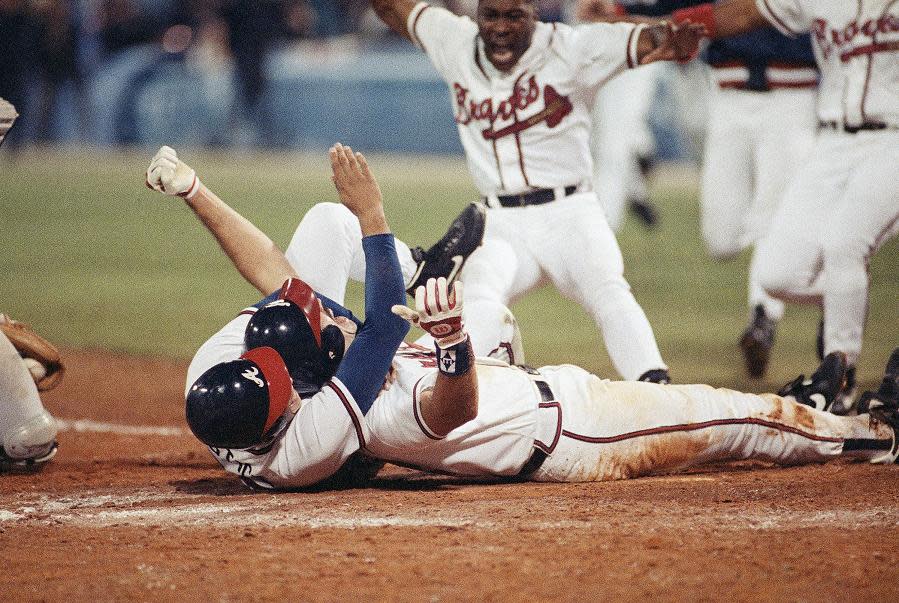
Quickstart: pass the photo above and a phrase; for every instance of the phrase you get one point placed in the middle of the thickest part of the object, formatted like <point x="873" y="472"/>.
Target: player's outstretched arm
<point x="454" y="399"/>
<point x="358" y="190"/>
<point x="253" y="253"/>
<point x="722" y="19"/>
<point x="668" y="41"/>
<point x="395" y="14"/>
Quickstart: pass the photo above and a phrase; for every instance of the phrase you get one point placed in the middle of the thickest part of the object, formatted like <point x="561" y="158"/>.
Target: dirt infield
<point x="134" y="508"/>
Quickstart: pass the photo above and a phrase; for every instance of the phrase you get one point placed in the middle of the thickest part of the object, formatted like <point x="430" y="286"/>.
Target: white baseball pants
<point x="26" y="428"/>
<point x="838" y="211"/>
<point x="567" y="242"/>
<point x="617" y="429"/>
<point x="754" y="143"/>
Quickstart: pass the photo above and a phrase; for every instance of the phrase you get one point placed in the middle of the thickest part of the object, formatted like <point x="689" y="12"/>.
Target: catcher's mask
<point x="292" y="325"/>
<point x="241" y="403"/>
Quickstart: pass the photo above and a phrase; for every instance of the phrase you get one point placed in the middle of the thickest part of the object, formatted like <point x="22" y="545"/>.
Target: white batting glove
<point x="168" y="174"/>
<point x="438" y="311"/>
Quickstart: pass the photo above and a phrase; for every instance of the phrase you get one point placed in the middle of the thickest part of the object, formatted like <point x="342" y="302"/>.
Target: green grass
<point x="93" y="259"/>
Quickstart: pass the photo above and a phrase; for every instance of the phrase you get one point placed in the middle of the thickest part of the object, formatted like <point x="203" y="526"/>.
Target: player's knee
<point x="777" y="281"/>
<point x="329" y="217"/>
<point x="32" y="439"/>
<point x="719" y="244"/>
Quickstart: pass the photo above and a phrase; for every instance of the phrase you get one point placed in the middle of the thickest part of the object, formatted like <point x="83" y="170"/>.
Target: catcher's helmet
<point x="238" y="404"/>
<point x="292" y="325"/>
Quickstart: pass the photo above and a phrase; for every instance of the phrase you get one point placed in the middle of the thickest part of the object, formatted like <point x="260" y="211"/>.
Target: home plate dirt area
<point x="133" y="507"/>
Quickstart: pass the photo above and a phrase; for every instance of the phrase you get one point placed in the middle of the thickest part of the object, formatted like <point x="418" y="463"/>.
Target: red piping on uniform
<point x="742" y="84"/>
<point x="693" y="427"/>
<point x="548" y="449"/>
<point x="627" y="48"/>
<point x="415" y="412"/>
<point x="349" y="408"/>
<point x="778" y="19"/>
<point x="415" y="26"/>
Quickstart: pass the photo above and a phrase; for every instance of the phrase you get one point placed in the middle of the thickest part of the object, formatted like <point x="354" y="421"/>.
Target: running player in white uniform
<point x="843" y="203"/>
<point x="522" y="92"/>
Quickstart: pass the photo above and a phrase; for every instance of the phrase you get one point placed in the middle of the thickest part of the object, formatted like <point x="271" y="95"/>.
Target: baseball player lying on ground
<point x="327" y="244"/>
<point x="447" y="411"/>
<point x="843" y="203"/>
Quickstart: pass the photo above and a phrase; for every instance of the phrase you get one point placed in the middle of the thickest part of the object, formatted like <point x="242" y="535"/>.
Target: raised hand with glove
<point x="168" y="174"/>
<point x="438" y="310"/>
<point x="453" y="401"/>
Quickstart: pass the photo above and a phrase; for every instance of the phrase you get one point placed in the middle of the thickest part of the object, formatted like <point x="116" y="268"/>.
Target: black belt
<point x="537" y="197"/>
<point x="871" y="126"/>
<point x="538" y="456"/>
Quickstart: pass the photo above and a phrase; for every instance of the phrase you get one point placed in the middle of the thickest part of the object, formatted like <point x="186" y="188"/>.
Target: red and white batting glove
<point x="438" y="311"/>
<point x="168" y="174"/>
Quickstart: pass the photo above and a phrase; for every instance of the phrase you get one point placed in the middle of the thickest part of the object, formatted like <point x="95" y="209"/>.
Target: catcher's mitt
<point x="8" y="117"/>
<point x="41" y="356"/>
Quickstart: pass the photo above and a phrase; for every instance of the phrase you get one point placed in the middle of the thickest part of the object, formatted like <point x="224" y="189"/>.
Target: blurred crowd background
<point x="293" y="74"/>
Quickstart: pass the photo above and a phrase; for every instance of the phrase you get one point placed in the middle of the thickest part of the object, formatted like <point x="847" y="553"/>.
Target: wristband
<point x="700" y="13"/>
<point x="455" y="360"/>
<point x="192" y="190"/>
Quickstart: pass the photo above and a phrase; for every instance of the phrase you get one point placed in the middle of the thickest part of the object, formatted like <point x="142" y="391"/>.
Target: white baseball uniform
<point x="594" y="429"/>
<point x="27" y="430"/>
<point x="529" y="130"/>
<point x="326" y="250"/>
<point x="843" y="203"/>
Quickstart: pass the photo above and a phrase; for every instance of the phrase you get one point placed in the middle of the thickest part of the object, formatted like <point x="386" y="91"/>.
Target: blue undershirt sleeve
<point x="368" y="359"/>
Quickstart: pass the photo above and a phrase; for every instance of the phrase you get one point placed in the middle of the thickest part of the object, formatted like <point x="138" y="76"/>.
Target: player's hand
<point x="594" y="10"/>
<point x="356" y="186"/>
<point x="168" y="174"/>
<point x="680" y="42"/>
<point x="438" y="311"/>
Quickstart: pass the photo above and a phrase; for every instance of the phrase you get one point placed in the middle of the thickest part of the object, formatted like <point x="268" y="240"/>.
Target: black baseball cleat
<point x="645" y="211"/>
<point x="819" y="340"/>
<point x="888" y="392"/>
<point x="449" y="254"/>
<point x="883" y="406"/>
<point x="821" y="389"/>
<point x="844" y="404"/>
<point x="757" y="341"/>
<point x="660" y="376"/>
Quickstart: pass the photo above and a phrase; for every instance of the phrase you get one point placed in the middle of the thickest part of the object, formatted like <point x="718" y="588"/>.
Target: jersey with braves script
<point x="530" y="127"/>
<point x="498" y="442"/>
<point x="857" y="49"/>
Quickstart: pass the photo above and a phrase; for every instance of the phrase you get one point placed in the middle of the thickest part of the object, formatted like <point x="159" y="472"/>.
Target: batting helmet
<point x="292" y="325"/>
<point x="238" y="404"/>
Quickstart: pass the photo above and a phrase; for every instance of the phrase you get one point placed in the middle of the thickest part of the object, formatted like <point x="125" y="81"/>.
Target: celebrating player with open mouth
<point x="522" y="92"/>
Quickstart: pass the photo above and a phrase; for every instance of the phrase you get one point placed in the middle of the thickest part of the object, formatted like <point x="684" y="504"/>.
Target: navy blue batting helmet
<point x="292" y="325"/>
<point x="238" y="404"/>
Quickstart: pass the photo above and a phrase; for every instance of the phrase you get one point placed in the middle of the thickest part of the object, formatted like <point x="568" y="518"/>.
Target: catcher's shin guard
<point x="29" y="445"/>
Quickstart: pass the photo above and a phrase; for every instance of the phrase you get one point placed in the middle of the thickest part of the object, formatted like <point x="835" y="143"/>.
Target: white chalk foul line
<point x="142" y="508"/>
<point x="88" y="426"/>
